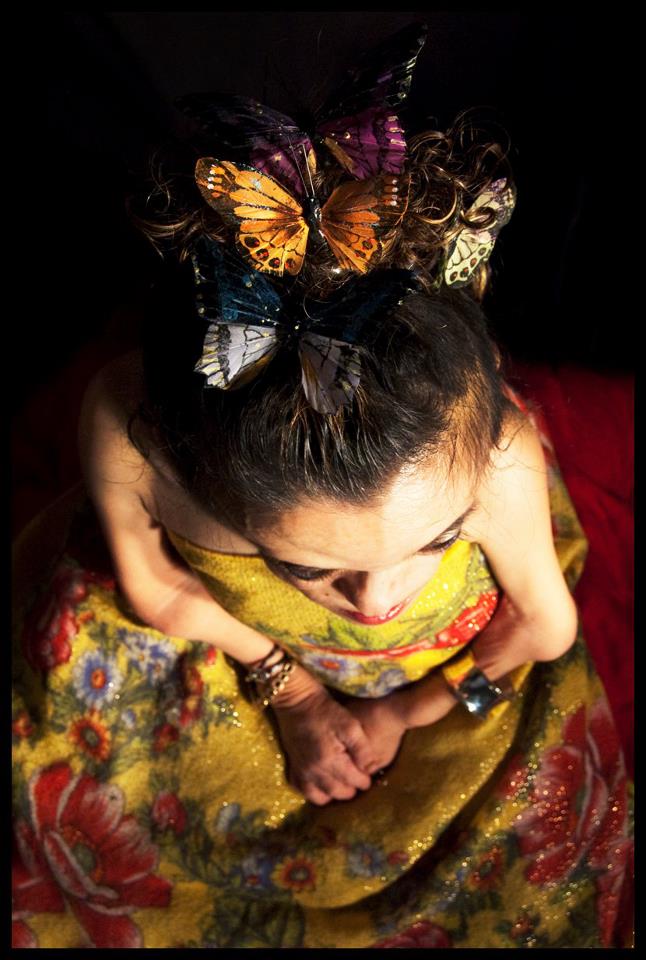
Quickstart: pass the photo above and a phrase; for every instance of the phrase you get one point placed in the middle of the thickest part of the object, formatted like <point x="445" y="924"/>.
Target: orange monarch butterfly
<point x="272" y="226"/>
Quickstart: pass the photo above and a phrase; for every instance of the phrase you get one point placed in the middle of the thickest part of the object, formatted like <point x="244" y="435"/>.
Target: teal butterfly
<point x="248" y="321"/>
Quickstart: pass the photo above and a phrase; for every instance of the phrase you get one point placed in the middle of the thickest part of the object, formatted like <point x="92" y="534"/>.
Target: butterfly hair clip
<point x="272" y="226"/>
<point x="248" y="321"/>
<point x="473" y="246"/>
<point x="359" y="123"/>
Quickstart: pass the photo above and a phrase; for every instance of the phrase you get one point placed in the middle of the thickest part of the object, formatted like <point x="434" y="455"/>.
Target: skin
<point x="375" y="555"/>
<point x="378" y="555"/>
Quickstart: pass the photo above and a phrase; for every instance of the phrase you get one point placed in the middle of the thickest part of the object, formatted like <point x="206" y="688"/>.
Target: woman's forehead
<point x="416" y="509"/>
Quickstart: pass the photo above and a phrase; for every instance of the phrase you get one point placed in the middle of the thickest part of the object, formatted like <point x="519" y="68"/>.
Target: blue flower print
<point x="256" y="871"/>
<point x="365" y="860"/>
<point x="129" y="719"/>
<point x="388" y="681"/>
<point x="227" y="817"/>
<point x="96" y="679"/>
<point x="331" y="666"/>
<point x="154" y="657"/>
<point x="385" y="683"/>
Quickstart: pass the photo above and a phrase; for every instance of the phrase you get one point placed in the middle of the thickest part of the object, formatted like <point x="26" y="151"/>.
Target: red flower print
<point x="192" y="688"/>
<point x="487" y="873"/>
<point x="191" y="680"/>
<point x="191" y="710"/>
<point x="163" y="736"/>
<point x="210" y="655"/>
<point x="297" y="874"/>
<point x="523" y="928"/>
<point x="421" y="934"/>
<point x="22" y="936"/>
<point x="468" y="623"/>
<point x="22" y="725"/>
<point x="168" y="812"/>
<point x="579" y="810"/>
<point x="53" y="622"/>
<point x="397" y="857"/>
<point x="91" y="736"/>
<point x="513" y="778"/>
<point x="79" y="846"/>
<point x="32" y="887"/>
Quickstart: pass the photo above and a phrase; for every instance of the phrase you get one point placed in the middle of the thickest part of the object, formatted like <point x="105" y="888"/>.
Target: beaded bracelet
<point x="270" y="679"/>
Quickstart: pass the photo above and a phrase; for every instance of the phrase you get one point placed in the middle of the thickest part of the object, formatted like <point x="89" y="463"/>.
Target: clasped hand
<point x="333" y="749"/>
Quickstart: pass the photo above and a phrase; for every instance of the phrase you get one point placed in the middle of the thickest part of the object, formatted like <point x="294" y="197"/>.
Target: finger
<point x="358" y="747"/>
<point x="336" y="788"/>
<point x="312" y="793"/>
<point x="348" y="773"/>
<point x="374" y="768"/>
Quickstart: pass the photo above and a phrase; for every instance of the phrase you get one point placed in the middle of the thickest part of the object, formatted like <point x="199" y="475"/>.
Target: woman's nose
<point x="372" y="594"/>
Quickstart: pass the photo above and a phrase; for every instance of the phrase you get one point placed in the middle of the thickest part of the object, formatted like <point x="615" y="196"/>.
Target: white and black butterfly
<point x="248" y="321"/>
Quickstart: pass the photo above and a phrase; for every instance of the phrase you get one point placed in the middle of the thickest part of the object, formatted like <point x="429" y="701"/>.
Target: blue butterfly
<point x="248" y="320"/>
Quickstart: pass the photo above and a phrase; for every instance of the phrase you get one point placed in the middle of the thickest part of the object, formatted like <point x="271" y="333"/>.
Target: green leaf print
<point x="254" y="923"/>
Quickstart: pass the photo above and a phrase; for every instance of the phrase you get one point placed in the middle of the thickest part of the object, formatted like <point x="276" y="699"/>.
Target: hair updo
<point x="431" y="387"/>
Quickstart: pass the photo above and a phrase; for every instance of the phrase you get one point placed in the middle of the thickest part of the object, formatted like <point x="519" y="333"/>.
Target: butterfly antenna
<point x="308" y="315"/>
<point x="296" y="162"/>
<point x="309" y="172"/>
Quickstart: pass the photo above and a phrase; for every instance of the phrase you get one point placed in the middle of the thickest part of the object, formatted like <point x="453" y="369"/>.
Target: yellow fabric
<point x="455" y="671"/>
<point x="360" y="661"/>
<point x="151" y="800"/>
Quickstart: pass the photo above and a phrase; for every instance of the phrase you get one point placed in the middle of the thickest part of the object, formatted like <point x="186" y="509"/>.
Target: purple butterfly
<point x="359" y="123"/>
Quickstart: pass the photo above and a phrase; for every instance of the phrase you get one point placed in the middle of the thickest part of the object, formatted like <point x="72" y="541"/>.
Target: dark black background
<point x="112" y="77"/>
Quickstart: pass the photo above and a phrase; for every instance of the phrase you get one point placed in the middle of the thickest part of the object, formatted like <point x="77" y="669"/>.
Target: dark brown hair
<point x="430" y="387"/>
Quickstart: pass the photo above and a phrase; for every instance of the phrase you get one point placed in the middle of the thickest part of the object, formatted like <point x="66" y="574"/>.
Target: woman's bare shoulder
<point x="121" y="384"/>
<point x="105" y="446"/>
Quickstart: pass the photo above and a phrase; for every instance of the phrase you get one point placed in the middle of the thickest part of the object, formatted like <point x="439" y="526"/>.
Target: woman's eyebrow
<point x="456" y="523"/>
<point x="304" y="566"/>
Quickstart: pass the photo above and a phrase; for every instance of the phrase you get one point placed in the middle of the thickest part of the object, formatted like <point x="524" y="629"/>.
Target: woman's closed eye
<point x="312" y="573"/>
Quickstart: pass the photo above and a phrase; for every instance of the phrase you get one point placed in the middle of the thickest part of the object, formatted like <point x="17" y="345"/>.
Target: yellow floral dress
<point x="151" y="807"/>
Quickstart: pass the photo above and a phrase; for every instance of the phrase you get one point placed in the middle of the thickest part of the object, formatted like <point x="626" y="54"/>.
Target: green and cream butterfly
<point x="473" y="245"/>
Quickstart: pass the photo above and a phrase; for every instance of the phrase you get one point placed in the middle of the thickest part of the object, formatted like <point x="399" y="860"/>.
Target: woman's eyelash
<point x="444" y="545"/>
<point x="309" y="575"/>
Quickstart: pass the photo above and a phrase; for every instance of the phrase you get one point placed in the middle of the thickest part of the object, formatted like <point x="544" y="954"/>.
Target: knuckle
<point x="355" y="730"/>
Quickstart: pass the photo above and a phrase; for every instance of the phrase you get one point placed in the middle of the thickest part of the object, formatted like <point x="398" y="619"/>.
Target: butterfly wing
<point x="352" y="313"/>
<point x="358" y="214"/>
<point x="267" y="138"/>
<point x="367" y="144"/>
<point x="243" y="311"/>
<point x="330" y="371"/>
<point x="473" y="246"/>
<point x="233" y="355"/>
<point x="359" y="123"/>
<point x="382" y="76"/>
<point x="270" y="228"/>
<point x="330" y="361"/>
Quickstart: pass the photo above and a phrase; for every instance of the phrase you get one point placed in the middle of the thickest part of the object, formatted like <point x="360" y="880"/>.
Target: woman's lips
<point x="373" y="621"/>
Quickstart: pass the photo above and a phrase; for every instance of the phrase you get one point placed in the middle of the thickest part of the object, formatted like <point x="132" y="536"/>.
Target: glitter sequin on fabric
<point x="152" y="809"/>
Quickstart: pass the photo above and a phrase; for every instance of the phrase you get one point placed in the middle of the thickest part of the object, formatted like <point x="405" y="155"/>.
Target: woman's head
<point x="430" y="391"/>
<point x="429" y="403"/>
